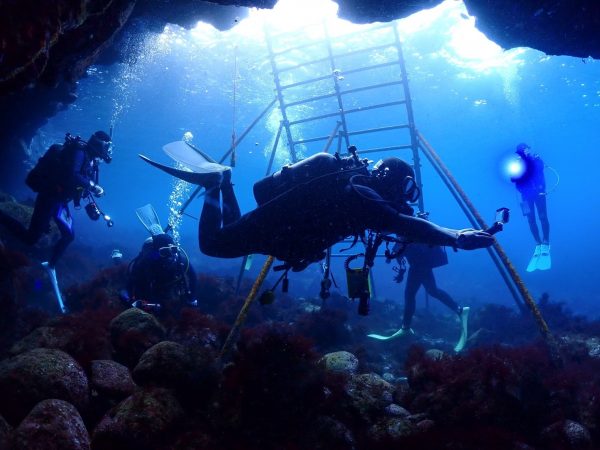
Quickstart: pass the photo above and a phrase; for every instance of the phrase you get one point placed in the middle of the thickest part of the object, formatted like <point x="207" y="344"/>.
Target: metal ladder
<point x="297" y="96"/>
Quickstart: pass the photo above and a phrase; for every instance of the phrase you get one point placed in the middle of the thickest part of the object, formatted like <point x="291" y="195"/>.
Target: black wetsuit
<point x="422" y="258"/>
<point x="164" y="280"/>
<point x="298" y="226"/>
<point x="532" y="186"/>
<point x="73" y="180"/>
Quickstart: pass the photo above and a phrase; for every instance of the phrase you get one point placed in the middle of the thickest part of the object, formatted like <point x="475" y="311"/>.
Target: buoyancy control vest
<point x="307" y="170"/>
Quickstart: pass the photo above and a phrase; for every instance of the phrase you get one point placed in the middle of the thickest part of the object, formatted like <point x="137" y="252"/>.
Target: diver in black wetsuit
<point x="305" y="208"/>
<point x="532" y="186"/>
<point x="161" y="277"/>
<point x="298" y="225"/>
<point x="73" y="174"/>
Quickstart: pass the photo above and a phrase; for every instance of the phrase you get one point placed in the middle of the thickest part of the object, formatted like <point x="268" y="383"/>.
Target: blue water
<point x="472" y="104"/>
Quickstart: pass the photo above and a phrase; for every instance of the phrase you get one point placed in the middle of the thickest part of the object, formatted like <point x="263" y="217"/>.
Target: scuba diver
<point x="422" y="259"/>
<point x="66" y="172"/>
<point x="531" y="183"/>
<point x="161" y="278"/>
<point x="307" y="207"/>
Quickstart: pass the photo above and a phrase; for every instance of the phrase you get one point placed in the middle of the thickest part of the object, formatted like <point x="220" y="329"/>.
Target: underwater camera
<point x="502" y="217"/>
<point x="94" y="213"/>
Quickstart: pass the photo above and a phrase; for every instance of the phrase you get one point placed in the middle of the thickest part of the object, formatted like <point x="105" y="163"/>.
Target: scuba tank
<point x="303" y="171"/>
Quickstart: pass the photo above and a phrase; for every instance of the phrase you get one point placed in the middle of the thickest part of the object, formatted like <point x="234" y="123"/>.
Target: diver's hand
<point x="97" y="190"/>
<point x="471" y="239"/>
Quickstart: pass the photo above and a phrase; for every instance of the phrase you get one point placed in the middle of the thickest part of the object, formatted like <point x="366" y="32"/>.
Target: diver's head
<point x="522" y="149"/>
<point x="395" y="180"/>
<point x="164" y="247"/>
<point x="100" y="146"/>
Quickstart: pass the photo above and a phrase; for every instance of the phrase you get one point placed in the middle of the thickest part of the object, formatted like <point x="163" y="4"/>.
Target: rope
<point x="241" y="318"/>
<point x="235" y="77"/>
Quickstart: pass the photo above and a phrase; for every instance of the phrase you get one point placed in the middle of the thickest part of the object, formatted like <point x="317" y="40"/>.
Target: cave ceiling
<point x="46" y="46"/>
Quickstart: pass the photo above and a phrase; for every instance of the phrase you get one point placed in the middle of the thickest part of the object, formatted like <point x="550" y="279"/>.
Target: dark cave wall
<point x="47" y="45"/>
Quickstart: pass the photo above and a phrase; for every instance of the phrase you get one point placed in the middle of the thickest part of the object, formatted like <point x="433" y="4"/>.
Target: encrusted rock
<point x="51" y="425"/>
<point x="111" y="379"/>
<point x="132" y="333"/>
<point x="191" y="372"/>
<point x="43" y="337"/>
<point x="340" y="362"/>
<point x="370" y="393"/>
<point x="141" y="421"/>
<point x="593" y="346"/>
<point x="37" y="375"/>
<point x="569" y="434"/>
<point x="391" y="429"/>
<point x="330" y="433"/>
<point x="167" y="364"/>
<point x="396" y="411"/>
<point x="434" y="354"/>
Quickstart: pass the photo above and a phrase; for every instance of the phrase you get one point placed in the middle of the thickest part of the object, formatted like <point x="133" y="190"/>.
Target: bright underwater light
<point x="514" y="167"/>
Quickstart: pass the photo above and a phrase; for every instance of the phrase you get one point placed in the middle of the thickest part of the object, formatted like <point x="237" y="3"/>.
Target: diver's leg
<point x="211" y="220"/>
<point x="63" y="220"/>
<point x="542" y="210"/>
<point x="413" y="283"/>
<point x="532" y="223"/>
<point x="433" y="290"/>
<point x="231" y="209"/>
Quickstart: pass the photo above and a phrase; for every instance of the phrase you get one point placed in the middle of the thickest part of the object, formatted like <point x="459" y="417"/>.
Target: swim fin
<point x="464" y="319"/>
<point x="533" y="262"/>
<point x="187" y="154"/>
<point x="52" y="275"/>
<point x="149" y="219"/>
<point x="400" y="333"/>
<point x="208" y="176"/>
<point x="545" y="260"/>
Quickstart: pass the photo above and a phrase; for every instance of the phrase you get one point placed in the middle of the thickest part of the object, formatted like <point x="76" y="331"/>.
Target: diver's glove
<point x="96" y="189"/>
<point x="469" y="239"/>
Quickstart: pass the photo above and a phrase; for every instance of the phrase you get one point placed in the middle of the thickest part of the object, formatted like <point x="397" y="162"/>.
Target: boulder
<point x="567" y="434"/>
<point x="37" y="375"/>
<point x="191" y="372"/>
<point x="166" y="364"/>
<point x="141" y="421"/>
<point x="370" y="394"/>
<point x="111" y="379"/>
<point x="132" y="333"/>
<point x="51" y="425"/>
<point x="340" y="362"/>
<point x="391" y="429"/>
<point x="43" y="337"/>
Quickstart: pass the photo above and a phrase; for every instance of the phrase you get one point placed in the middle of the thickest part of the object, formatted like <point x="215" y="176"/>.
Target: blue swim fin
<point x="52" y="275"/>
<point x="206" y="178"/>
<point x="189" y="156"/>
<point x="400" y="333"/>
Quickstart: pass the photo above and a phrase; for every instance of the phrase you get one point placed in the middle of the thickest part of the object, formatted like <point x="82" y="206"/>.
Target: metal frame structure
<point x="338" y="121"/>
<point x="322" y="51"/>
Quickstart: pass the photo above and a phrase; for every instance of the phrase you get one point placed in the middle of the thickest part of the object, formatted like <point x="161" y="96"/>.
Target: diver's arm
<point x="76" y="171"/>
<point x="427" y="232"/>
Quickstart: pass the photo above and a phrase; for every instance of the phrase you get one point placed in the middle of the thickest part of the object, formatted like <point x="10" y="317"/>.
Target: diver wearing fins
<point x="531" y="183"/>
<point x="299" y="216"/>
<point x="422" y="259"/>
<point x="67" y="172"/>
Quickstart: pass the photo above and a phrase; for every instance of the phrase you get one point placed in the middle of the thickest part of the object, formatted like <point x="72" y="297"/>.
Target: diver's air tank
<point x="292" y="175"/>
